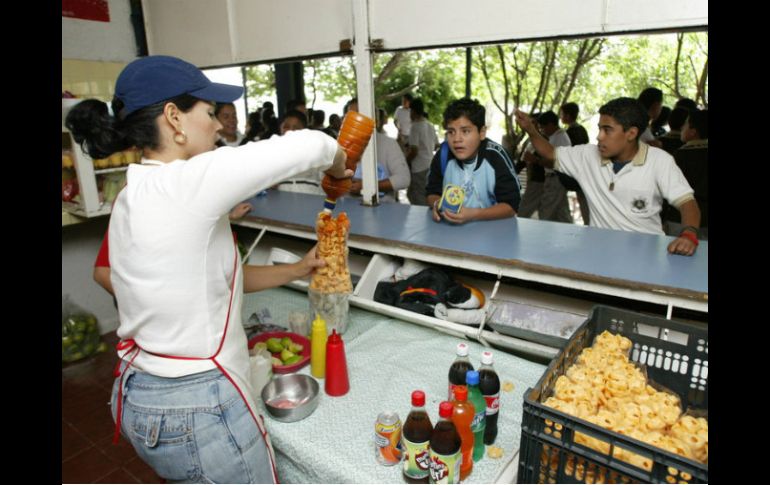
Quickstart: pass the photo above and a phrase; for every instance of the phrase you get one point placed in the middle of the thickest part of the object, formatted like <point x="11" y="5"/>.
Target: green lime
<point x="102" y="347"/>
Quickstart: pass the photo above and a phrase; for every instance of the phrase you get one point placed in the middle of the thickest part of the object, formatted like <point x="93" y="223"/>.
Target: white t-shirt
<point x="647" y="135"/>
<point x="172" y="252"/>
<point x="630" y="200"/>
<point x="238" y="139"/>
<point x="559" y="138"/>
<point x="391" y="165"/>
<point x="403" y="120"/>
<point x="423" y="136"/>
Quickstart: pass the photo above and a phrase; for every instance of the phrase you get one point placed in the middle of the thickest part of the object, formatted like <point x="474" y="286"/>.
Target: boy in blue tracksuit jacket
<point x="480" y="166"/>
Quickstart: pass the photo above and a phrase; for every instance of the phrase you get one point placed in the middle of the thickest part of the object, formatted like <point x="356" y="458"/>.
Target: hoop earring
<point x="180" y="137"/>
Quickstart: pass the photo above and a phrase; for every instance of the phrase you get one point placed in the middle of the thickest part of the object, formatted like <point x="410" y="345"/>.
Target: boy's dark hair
<point x="219" y="107"/>
<point x="319" y="116"/>
<point x="650" y="96"/>
<point x="100" y="135"/>
<point x="677" y="118"/>
<point x="548" y="118"/>
<point x="470" y="108"/>
<point x="627" y="112"/>
<point x="699" y="120"/>
<point x="418" y="107"/>
<point x="334" y="117"/>
<point x="686" y="103"/>
<point x="408" y="96"/>
<point x="267" y="104"/>
<point x="295" y="114"/>
<point x="571" y="110"/>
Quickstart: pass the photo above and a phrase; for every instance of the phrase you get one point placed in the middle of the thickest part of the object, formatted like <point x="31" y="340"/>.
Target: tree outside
<point x="533" y="76"/>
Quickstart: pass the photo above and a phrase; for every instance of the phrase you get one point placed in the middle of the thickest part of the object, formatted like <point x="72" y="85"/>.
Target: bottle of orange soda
<point x="462" y="416"/>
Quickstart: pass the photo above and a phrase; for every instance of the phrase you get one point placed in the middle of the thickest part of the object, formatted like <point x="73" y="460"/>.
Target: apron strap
<point x="130" y="346"/>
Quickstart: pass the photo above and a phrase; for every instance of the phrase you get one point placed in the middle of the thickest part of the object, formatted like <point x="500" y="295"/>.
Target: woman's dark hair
<point x="100" y="134"/>
<point x="470" y="108"/>
<point x="627" y="112"/>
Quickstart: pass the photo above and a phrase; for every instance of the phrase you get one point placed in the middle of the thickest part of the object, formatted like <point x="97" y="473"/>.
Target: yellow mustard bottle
<point x="318" y="348"/>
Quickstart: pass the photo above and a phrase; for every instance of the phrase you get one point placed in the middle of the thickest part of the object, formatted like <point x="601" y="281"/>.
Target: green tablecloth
<point x="387" y="359"/>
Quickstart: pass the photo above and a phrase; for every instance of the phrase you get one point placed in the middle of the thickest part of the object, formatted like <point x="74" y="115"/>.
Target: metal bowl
<point x="291" y="397"/>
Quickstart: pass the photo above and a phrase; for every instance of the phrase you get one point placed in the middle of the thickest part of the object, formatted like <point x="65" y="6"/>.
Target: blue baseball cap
<point x="152" y="79"/>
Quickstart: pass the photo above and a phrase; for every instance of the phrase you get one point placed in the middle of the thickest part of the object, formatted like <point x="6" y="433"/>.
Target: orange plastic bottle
<point x="354" y="135"/>
<point x="462" y="417"/>
<point x="355" y="132"/>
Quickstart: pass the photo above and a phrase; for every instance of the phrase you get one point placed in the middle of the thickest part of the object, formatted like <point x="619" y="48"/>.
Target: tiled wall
<point x="90" y="79"/>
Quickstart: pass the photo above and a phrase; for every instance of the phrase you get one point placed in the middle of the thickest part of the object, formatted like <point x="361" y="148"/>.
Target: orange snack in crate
<point x="355" y="132"/>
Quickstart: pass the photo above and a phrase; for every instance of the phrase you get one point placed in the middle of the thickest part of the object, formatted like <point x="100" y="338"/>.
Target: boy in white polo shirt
<point x="625" y="181"/>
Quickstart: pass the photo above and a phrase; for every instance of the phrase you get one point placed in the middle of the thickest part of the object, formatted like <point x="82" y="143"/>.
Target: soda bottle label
<point x="478" y="420"/>
<point x="416" y="458"/>
<point x="445" y="468"/>
<point x="493" y="403"/>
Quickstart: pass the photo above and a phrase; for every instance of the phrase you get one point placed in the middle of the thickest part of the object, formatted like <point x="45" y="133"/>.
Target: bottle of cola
<point x="489" y="383"/>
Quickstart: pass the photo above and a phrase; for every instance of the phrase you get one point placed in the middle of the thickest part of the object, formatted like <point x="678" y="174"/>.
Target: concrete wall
<point x="79" y="247"/>
<point x="100" y="41"/>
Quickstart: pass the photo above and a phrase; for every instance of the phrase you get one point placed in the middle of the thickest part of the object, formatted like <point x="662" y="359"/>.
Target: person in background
<point x="229" y="135"/>
<point x="568" y="113"/>
<point x="658" y="125"/>
<point x="351" y="105"/>
<point x="309" y="181"/>
<point x="534" y="175"/>
<point x="176" y="271"/>
<point x="625" y="181"/>
<point x="693" y="159"/>
<point x="553" y="204"/>
<point x="423" y="141"/>
<point x="672" y="139"/>
<point x="477" y="164"/>
<point x="319" y="116"/>
<point x="686" y="103"/>
<point x="652" y="100"/>
<point x="297" y="104"/>
<point x="403" y="120"/>
<point x="293" y="120"/>
<point x="335" y="123"/>
<point x="254" y="128"/>
<point x="392" y="171"/>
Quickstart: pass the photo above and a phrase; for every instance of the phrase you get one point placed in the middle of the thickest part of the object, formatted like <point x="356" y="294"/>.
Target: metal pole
<point x="468" y="72"/>
<point x="365" y="89"/>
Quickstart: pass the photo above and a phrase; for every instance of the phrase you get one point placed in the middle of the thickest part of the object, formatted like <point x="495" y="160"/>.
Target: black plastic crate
<point x="676" y="357"/>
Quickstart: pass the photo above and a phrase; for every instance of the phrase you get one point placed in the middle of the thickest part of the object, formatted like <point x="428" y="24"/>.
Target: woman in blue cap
<point x="182" y="395"/>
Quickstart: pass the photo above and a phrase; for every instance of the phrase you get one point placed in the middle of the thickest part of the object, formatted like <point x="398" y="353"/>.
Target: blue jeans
<point x="192" y="429"/>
